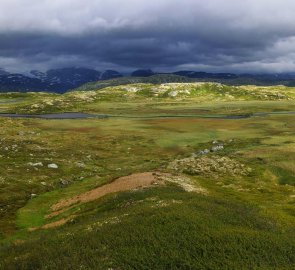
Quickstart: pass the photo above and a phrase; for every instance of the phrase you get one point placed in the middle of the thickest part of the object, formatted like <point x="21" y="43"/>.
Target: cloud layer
<point x="212" y="35"/>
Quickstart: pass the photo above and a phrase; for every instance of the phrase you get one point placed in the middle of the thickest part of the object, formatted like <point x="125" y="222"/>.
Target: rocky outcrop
<point x="214" y="166"/>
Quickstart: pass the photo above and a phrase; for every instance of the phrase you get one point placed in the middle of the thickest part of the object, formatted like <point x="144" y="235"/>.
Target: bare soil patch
<point x="53" y="224"/>
<point x="57" y="223"/>
<point x="130" y="182"/>
<point x="126" y="183"/>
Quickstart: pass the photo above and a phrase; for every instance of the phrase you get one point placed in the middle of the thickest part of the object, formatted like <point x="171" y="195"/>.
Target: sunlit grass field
<point x="240" y="222"/>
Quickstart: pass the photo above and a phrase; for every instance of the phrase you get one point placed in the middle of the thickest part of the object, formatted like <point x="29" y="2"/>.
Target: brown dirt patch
<point x="57" y="223"/>
<point x="130" y="182"/>
<point x="126" y="183"/>
<point x="53" y="224"/>
<point x="133" y="181"/>
<point x="56" y="213"/>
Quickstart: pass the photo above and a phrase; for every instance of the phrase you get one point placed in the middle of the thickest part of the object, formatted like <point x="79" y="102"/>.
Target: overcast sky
<point x="211" y="35"/>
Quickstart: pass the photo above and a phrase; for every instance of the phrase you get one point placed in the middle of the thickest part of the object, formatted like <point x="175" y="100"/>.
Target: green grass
<point x="131" y="232"/>
<point x="244" y="222"/>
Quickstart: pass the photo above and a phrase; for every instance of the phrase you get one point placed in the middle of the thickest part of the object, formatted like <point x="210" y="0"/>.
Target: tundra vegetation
<point x="174" y="178"/>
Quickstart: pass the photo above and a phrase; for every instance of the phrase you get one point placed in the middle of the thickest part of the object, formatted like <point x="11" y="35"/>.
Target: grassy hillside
<point x="223" y="195"/>
<point x="173" y="78"/>
<point x="155" y="79"/>
<point x="128" y="96"/>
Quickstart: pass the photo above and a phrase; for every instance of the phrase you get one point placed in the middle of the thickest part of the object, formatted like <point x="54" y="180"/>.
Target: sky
<point x="241" y="36"/>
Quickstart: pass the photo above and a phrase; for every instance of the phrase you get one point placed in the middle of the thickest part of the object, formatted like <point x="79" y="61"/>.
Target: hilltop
<point x="90" y="100"/>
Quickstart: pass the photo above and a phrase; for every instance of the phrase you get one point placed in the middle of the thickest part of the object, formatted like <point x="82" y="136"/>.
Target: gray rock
<point x="38" y="164"/>
<point x="217" y="148"/>
<point x="80" y="164"/>
<point x="204" y="152"/>
<point x="64" y="182"/>
<point x="173" y="94"/>
<point x="52" y="166"/>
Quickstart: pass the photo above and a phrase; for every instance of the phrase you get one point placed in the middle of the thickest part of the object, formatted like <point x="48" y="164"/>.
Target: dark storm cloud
<point x="215" y="35"/>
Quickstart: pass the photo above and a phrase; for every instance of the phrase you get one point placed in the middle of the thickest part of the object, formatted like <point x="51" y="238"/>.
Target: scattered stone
<point x="80" y="164"/>
<point x="52" y="166"/>
<point x="210" y="166"/>
<point x="173" y="94"/>
<point x="204" y="152"/>
<point x="38" y="164"/>
<point x="183" y="181"/>
<point x="217" y="148"/>
<point x="33" y="195"/>
<point x="64" y="182"/>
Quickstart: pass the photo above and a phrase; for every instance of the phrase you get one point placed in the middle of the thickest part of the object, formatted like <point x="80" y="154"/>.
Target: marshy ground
<point x="200" y="193"/>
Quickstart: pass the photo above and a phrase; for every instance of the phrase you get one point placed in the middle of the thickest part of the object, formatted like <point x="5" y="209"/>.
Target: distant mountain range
<point x="65" y="79"/>
<point x="54" y="80"/>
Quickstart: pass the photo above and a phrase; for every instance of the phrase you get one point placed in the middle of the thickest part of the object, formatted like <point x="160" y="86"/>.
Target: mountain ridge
<point x="65" y="79"/>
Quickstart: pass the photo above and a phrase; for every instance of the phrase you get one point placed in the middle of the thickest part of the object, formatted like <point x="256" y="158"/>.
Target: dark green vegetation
<point x="244" y="220"/>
